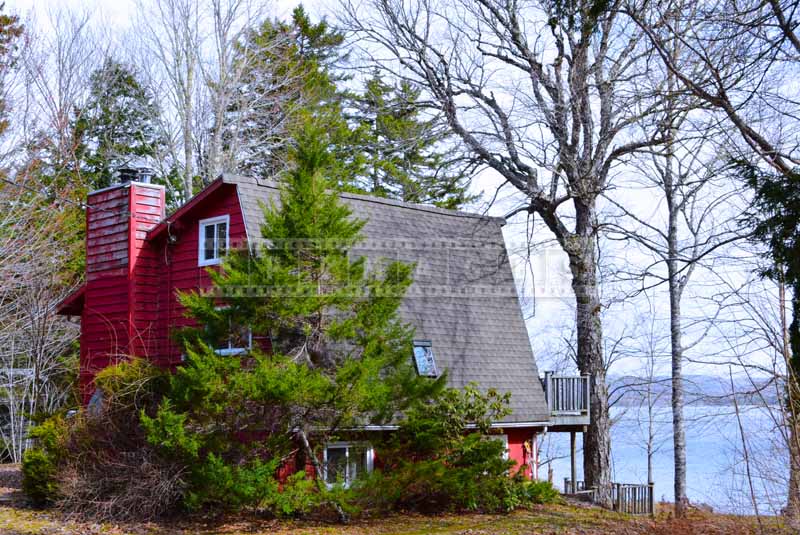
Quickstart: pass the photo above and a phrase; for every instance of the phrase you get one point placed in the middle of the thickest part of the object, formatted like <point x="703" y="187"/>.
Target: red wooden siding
<point x="179" y="271"/>
<point x="522" y="449"/>
<point x="130" y="303"/>
<point x="118" y="295"/>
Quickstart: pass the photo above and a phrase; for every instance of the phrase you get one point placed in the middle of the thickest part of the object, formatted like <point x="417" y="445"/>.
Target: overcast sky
<point x="550" y="313"/>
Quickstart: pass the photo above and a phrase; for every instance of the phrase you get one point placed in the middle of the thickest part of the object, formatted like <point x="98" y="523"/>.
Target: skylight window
<point x="424" y="359"/>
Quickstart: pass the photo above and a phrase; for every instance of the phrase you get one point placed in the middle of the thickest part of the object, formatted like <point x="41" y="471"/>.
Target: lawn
<point x="18" y="519"/>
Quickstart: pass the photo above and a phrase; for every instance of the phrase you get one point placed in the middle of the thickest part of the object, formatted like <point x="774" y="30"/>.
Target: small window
<point x="238" y="339"/>
<point x="424" y="359"/>
<point x="345" y="462"/>
<point x="238" y="342"/>
<point x="504" y="440"/>
<point x="213" y="240"/>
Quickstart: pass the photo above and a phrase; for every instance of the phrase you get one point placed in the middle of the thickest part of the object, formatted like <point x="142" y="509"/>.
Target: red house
<point x="463" y="302"/>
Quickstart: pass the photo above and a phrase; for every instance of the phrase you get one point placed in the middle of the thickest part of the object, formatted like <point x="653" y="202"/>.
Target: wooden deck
<point x="567" y="401"/>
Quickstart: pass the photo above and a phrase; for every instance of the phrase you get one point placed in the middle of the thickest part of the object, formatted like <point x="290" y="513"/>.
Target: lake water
<point x="716" y="471"/>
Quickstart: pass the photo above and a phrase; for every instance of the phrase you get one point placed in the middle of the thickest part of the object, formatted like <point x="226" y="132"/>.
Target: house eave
<point x="180" y="212"/>
<point x="72" y="305"/>
<point x="495" y="425"/>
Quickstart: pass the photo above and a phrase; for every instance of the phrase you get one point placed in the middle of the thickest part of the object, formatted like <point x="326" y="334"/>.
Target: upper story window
<point x="424" y="359"/>
<point x="213" y="240"/>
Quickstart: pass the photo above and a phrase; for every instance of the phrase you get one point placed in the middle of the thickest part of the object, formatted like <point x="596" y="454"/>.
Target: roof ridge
<point x="268" y="183"/>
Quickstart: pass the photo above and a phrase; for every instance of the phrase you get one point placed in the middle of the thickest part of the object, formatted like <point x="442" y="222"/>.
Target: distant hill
<point x="628" y="390"/>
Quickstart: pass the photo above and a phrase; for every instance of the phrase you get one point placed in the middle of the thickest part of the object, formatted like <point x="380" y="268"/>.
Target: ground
<point x="16" y="518"/>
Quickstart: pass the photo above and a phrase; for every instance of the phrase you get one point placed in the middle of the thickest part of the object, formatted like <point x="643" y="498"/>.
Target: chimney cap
<point x="126" y="174"/>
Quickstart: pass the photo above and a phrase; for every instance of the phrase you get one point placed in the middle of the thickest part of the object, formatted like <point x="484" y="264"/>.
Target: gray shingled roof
<point x="463" y="298"/>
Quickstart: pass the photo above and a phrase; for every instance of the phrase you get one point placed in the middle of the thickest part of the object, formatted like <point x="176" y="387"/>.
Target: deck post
<point x="548" y="394"/>
<point x="572" y="455"/>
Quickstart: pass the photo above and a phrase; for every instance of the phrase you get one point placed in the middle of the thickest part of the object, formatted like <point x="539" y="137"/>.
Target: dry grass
<point x="567" y="519"/>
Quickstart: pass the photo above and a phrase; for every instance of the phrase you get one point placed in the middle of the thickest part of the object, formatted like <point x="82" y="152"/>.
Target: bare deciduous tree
<point x="741" y="60"/>
<point x="532" y="87"/>
<point x="171" y="30"/>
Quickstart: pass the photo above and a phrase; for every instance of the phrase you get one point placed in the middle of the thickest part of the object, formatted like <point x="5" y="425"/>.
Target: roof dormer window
<point x="424" y="359"/>
<point x="213" y="240"/>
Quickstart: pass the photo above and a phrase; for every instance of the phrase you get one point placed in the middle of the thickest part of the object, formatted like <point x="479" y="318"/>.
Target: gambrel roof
<point x="463" y="298"/>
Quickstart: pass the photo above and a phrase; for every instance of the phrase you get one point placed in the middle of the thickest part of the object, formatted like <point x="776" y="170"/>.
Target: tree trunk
<point x="188" y="189"/>
<point x="676" y="342"/>
<point x="793" y="497"/>
<point x="678" y="431"/>
<point x="319" y="475"/>
<point x="580" y="249"/>
<point x="792" y="355"/>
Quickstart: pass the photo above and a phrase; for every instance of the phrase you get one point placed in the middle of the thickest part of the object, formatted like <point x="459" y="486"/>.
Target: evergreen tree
<point x="774" y="216"/>
<point x="117" y="126"/>
<point x="405" y="160"/>
<point x="340" y="358"/>
<point x="380" y="137"/>
<point x="290" y="75"/>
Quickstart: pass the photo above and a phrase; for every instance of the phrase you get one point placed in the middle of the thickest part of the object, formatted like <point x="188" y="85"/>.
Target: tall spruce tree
<point x="340" y="357"/>
<point x="117" y="126"/>
<point x="403" y="150"/>
<point x="379" y="134"/>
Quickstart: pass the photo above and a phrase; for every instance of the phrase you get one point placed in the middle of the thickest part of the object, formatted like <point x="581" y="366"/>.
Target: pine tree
<point x="405" y="153"/>
<point x="340" y="357"/>
<point x="117" y="126"/>
<point x="379" y="136"/>
<point x="290" y="75"/>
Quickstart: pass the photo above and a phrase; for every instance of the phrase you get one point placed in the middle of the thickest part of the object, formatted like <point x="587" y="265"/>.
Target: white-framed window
<point x="234" y="344"/>
<point x="237" y="341"/>
<point x="213" y="240"/>
<point x="504" y="440"/>
<point x="346" y="461"/>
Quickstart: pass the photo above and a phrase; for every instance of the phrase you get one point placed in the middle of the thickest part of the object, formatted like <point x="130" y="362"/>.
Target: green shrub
<point x="439" y="467"/>
<point x="40" y="464"/>
<point x="298" y="496"/>
<point x="218" y="484"/>
<point x="132" y="383"/>
<point x="540" y="492"/>
<point x="39" y="471"/>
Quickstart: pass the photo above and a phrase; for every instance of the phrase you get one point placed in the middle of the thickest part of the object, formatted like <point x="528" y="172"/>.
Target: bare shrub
<point x="131" y="485"/>
<point x="108" y="470"/>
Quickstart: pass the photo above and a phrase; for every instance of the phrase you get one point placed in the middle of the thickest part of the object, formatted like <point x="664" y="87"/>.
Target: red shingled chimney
<point x="120" y="294"/>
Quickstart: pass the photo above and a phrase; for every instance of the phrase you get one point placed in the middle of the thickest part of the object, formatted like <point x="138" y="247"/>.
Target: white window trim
<point x="225" y="351"/>
<point x="237" y="350"/>
<point x="504" y="439"/>
<point x="201" y="238"/>
<point x="370" y="452"/>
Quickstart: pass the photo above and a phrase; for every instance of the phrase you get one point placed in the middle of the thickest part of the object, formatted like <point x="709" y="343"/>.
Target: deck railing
<point x="632" y="499"/>
<point x="566" y="394"/>
<point x="580" y="487"/>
